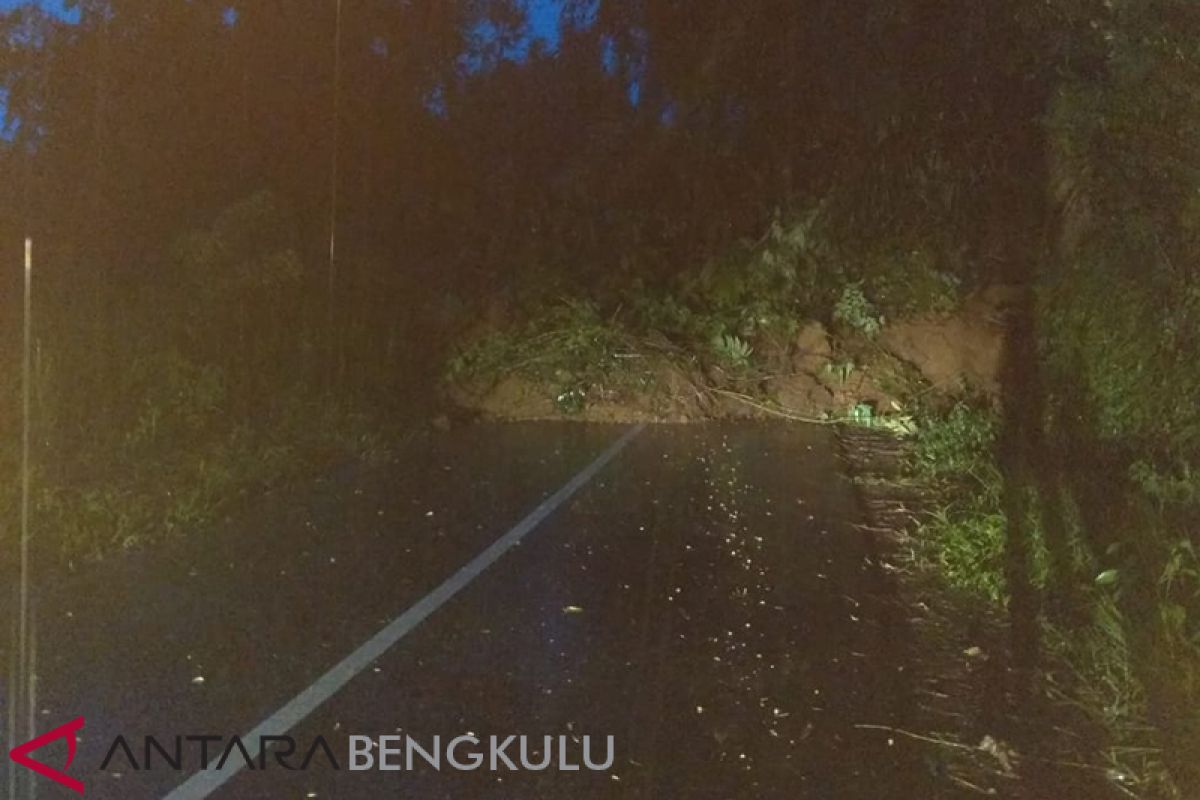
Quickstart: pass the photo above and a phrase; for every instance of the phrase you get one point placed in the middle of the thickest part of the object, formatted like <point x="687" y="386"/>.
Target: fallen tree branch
<point x="750" y="401"/>
<point x="919" y="737"/>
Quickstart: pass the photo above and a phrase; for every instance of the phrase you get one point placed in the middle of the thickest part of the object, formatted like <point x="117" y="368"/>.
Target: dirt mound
<point x="801" y="393"/>
<point x="513" y="397"/>
<point x="959" y="350"/>
<point x="809" y="376"/>
<point x="812" y="349"/>
<point x="660" y="391"/>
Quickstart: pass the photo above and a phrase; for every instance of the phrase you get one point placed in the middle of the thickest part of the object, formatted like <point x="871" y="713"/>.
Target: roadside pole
<point x="21" y="684"/>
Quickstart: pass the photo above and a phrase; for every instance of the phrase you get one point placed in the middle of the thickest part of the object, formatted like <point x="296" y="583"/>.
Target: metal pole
<point x="30" y="783"/>
<point x="26" y="369"/>
<point x="11" y="703"/>
<point x="23" y="675"/>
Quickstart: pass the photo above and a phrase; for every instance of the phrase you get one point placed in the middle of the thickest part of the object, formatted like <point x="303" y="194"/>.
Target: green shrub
<point x="959" y="446"/>
<point x="965" y="536"/>
<point x="761" y="289"/>
<point x="178" y="398"/>
<point x="732" y="351"/>
<point x="856" y="312"/>
<point x="908" y="281"/>
<point x="198" y="397"/>
<point x="569" y="345"/>
<point x="966" y="542"/>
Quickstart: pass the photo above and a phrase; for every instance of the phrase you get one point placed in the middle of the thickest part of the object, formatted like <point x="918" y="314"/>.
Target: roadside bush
<point x="959" y="447"/>
<point x="246" y="290"/>
<point x="732" y="351"/>
<point x="905" y="281"/>
<point x="857" y="313"/>
<point x="1120" y="322"/>
<point x="178" y="398"/>
<point x="965" y="536"/>
<point x="763" y="289"/>
<point x="199" y="396"/>
<point x="569" y="345"/>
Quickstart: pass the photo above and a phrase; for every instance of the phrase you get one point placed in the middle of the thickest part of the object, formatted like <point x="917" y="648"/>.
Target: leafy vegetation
<point x="735" y="313"/>
<point x="966" y="536"/>
<point x="1098" y="660"/>
<point x="732" y="351"/>
<point x="854" y="310"/>
<point x="1120" y="317"/>
<point x="215" y="404"/>
<point x="569" y="346"/>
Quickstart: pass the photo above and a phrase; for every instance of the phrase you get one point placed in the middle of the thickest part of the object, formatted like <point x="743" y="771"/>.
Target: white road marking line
<point x="203" y="784"/>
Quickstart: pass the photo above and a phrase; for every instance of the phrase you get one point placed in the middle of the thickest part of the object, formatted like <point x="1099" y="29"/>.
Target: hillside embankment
<point x="815" y="373"/>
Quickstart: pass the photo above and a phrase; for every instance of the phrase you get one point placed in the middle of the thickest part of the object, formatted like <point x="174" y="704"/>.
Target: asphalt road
<point x="702" y="598"/>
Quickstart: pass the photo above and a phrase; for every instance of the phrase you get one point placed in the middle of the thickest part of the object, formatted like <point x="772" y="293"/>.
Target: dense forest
<point x="259" y="229"/>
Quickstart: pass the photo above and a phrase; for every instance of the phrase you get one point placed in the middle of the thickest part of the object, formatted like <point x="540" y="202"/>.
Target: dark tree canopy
<point x="458" y="157"/>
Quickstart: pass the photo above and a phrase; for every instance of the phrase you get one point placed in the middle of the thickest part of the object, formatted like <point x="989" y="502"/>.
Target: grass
<point x="92" y="505"/>
<point x="210" y="388"/>
<point x="1096" y="651"/>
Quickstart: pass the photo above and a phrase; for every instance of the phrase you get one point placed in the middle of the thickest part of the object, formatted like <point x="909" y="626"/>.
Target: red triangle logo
<point x="20" y="754"/>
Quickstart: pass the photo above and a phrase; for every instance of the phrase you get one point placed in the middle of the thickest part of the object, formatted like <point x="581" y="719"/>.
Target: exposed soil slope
<point x="817" y="375"/>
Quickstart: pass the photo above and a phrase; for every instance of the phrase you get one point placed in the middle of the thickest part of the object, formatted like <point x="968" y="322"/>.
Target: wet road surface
<point x="703" y="599"/>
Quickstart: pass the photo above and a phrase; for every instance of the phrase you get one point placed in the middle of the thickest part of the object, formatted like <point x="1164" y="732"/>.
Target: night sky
<point x="56" y="7"/>
<point x="544" y="17"/>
